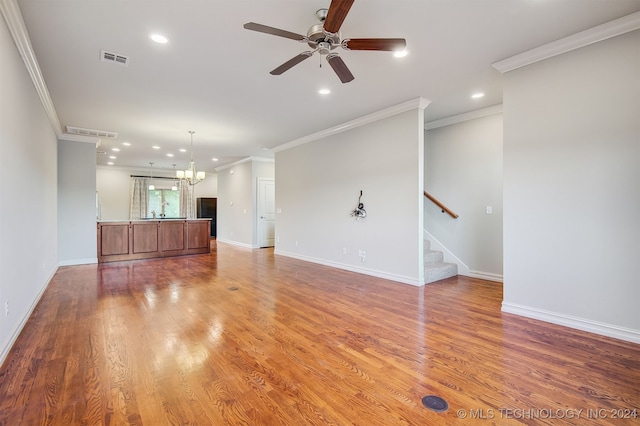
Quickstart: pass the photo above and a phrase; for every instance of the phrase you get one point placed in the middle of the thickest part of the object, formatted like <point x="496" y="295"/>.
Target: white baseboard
<point x="485" y="276"/>
<point x="573" y="322"/>
<point x="12" y="340"/>
<point x="365" y="271"/>
<point x="235" y="243"/>
<point x="74" y="262"/>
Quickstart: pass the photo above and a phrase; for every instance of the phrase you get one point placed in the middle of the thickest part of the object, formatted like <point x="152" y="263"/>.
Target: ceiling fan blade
<point x="338" y="10"/>
<point x="291" y="63"/>
<point x="340" y="68"/>
<point x="273" y="31"/>
<point x="387" y="44"/>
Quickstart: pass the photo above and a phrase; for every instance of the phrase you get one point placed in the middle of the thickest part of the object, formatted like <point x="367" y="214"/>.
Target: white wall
<point x="237" y="201"/>
<point x="28" y="194"/>
<point x="572" y="188"/>
<point x="463" y="169"/>
<point x="76" y="203"/>
<point x="113" y="186"/>
<point x="318" y="185"/>
<point x="208" y="188"/>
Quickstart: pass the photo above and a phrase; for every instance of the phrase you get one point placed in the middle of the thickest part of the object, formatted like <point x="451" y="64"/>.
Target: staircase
<point x="435" y="269"/>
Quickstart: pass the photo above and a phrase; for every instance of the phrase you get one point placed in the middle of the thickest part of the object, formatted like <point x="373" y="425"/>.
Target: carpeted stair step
<point x="439" y="271"/>
<point x="432" y="256"/>
<point x="435" y="269"/>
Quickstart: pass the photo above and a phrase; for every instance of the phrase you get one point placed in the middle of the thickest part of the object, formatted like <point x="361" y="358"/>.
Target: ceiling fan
<point x="325" y="37"/>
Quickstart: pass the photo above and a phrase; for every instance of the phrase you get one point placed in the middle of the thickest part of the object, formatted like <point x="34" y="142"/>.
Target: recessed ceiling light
<point x="400" y="53"/>
<point x="115" y="149"/>
<point x="158" y="38"/>
<point x="324" y="91"/>
<point x="113" y="157"/>
<point x="477" y="95"/>
<point x="183" y="150"/>
<point x="214" y="159"/>
<point x="155" y="147"/>
<point x="126" y="144"/>
<point x="169" y="155"/>
<point x="110" y="163"/>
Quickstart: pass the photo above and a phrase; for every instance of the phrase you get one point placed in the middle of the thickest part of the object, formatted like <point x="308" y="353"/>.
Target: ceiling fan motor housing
<point x="317" y="35"/>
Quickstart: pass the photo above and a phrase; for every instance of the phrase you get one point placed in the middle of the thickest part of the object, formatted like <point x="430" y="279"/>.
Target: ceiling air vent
<point x="90" y="132"/>
<point x="106" y="56"/>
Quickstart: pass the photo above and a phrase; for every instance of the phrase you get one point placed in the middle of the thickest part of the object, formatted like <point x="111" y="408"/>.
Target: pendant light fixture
<point x="151" y="185"/>
<point x="190" y="175"/>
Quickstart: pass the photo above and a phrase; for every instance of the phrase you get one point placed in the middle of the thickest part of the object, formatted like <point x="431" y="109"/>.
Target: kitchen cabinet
<point x="145" y="239"/>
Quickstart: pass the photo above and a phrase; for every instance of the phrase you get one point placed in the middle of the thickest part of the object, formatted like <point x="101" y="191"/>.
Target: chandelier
<point x="190" y="175"/>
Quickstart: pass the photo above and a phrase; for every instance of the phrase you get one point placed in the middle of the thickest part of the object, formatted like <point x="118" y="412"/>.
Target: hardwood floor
<point x="244" y="337"/>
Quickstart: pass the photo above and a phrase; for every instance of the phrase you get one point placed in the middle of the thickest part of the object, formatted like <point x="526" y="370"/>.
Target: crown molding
<point x="479" y="113"/>
<point x="80" y="138"/>
<point x="584" y="38"/>
<point x="13" y="17"/>
<point x="418" y="103"/>
<point x="262" y="159"/>
<point x="245" y="160"/>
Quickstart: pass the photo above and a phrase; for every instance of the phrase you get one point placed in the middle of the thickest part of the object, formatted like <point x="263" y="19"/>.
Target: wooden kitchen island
<point x="145" y="239"/>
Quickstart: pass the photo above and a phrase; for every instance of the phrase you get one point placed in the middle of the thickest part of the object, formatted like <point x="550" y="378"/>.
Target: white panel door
<point x="266" y="212"/>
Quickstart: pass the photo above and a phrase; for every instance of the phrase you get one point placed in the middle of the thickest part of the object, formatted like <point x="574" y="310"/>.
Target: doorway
<point x="266" y="212"/>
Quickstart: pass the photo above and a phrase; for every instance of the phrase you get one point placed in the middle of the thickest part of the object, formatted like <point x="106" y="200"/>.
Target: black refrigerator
<point x="207" y="208"/>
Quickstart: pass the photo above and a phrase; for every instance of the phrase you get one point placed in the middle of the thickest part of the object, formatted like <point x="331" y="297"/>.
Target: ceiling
<point x="212" y="76"/>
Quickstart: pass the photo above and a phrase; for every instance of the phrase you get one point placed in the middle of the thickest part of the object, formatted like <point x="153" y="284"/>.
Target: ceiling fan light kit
<point x="325" y="37"/>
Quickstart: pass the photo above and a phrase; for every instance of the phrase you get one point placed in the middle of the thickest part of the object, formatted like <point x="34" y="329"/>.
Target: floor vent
<point x="435" y="403"/>
<point x="106" y="56"/>
<point x="91" y="132"/>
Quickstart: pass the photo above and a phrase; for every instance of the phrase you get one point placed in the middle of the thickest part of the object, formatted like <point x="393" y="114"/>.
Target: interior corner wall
<point x="318" y="185"/>
<point x="235" y="204"/>
<point x="463" y="169"/>
<point x="28" y="204"/>
<point x="77" y="211"/>
<point x="572" y="188"/>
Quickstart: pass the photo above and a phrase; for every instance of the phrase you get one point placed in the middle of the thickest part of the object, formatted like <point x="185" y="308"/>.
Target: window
<point x="164" y="203"/>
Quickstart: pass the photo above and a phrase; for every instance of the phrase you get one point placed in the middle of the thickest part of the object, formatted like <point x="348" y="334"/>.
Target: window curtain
<point x="187" y="202"/>
<point x="139" y="198"/>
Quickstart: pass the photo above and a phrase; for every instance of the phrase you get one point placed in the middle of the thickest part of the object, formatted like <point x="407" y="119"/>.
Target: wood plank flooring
<point x="243" y="337"/>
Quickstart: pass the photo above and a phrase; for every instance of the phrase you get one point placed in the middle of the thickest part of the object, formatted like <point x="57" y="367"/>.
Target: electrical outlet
<point x="296" y="243"/>
<point x="6" y="308"/>
<point x="489" y="210"/>
<point x="344" y="250"/>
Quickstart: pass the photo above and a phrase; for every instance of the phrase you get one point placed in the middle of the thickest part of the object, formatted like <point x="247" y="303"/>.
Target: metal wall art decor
<point x="359" y="212"/>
